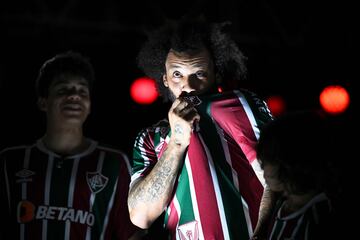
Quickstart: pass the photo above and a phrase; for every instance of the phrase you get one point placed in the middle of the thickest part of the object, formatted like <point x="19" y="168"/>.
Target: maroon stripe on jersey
<point x="14" y="163"/>
<point x="148" y="143"/>
<point x="290" y="226"/>
<point x="229" y="113"/>
<point x="173" y="219"/>
<point x="119" y="223"/>
<point x="82" y="193"/>
<point x="162" y="150"/>
<point x="36" y="190"/>
<point x="232" y="118"/>
<point x="204" y="189"/>
<point x="249" y="185"/>
<point x="114" y="225"/>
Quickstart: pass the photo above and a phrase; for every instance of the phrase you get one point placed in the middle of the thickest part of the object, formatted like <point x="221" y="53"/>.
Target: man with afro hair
<point x="198" y="167"/>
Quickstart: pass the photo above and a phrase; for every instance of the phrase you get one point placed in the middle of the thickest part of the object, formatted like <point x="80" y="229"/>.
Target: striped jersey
<point x="304" y="224"/>
<point x="219" y="187"/>
<point x="77" y="197"/>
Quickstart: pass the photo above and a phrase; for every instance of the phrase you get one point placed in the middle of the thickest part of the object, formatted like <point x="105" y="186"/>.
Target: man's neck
<point x="66" y="141"/>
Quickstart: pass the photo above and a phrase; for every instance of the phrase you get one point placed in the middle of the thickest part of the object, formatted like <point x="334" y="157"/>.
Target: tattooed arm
<point x="149" y="196"/>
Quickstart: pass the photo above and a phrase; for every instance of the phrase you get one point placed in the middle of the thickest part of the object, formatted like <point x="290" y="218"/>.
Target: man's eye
<point x="177" y="74"/>
<point x="83" y="93"/>
<point x="61" y="91"/>
<point x="200" y="74"/>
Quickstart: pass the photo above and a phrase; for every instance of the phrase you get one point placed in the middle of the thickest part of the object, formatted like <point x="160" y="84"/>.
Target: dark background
<point x="294" y="49"/>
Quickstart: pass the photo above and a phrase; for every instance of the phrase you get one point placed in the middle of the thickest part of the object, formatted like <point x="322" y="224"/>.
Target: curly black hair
<point x="192" y="34"/>
<point x="303" y="148"/>
<point x="69" y="63"/>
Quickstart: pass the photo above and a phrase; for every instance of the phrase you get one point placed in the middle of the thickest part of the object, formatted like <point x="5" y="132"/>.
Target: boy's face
<point x="189" y="72"/>
<point x="68" y="101"/>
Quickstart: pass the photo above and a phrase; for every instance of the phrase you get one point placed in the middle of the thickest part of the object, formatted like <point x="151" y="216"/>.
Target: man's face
<point x="68" y="100"/>
<point x="189" y="72"/>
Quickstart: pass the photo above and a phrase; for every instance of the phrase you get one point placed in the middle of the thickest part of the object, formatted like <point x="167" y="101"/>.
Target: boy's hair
<point x="64" y="64"/>
<point x="190" y="34"/>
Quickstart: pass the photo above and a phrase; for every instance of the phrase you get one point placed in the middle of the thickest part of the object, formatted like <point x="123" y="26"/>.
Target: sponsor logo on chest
<point x="27" y="211"/>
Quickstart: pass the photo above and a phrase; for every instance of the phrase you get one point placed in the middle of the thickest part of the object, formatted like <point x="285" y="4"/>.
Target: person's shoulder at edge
<point x="161" y="126"/>
<point x="258" y="102"/>
<point x="14" y="148"/>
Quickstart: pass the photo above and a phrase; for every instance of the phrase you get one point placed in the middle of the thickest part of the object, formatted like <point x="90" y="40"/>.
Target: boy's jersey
<point x="218" y="193"/>
<point x="306" y="223"/>
<point x="47" y="196"/>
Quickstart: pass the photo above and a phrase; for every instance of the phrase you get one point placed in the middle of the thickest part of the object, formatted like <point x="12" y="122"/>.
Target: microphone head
<point x="192" y="99"/>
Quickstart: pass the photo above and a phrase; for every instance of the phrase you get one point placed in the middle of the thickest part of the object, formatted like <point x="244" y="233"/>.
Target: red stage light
<point x="276" y="105"/>
<point x="334" y="99"/>
<point x="143" y="90"/>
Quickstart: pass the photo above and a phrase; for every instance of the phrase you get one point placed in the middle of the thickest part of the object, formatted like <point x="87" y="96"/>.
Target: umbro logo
<point x="24" y="175"/>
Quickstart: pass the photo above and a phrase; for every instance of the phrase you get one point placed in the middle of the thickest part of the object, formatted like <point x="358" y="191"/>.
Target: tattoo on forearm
<point x="159" y="182"/>
<point x="157" y="185"/>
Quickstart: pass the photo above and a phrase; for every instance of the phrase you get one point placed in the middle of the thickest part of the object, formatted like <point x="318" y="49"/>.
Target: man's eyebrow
<point x="175" y="65"/>
<point x="179" y="65"/>
<point x="60" y="82"/>
<point x="198" y="65"/>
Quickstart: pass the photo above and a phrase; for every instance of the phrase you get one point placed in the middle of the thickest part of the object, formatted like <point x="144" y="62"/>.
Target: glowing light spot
<point x="143" y="90"/>
<point x="334" y="99"/>
<point x="276" y="105"/>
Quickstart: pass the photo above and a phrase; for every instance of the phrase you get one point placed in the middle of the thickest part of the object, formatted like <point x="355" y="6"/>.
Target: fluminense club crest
<point x="189" y="231"/>
<point x="96" y="181"/>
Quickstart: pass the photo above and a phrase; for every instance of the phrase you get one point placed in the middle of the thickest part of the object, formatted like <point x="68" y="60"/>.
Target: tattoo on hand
<point x="178" y="129"/>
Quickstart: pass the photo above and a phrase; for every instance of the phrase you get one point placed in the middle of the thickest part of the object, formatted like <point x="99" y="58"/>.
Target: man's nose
<point x="185" y="85"/>
<point x="189" y="83"/>
<point x="193" y="82"/>
<point x="73" y="93"/>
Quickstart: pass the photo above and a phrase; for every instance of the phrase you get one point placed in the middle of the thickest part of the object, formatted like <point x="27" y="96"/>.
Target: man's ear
<point x="166" y="84"/>
<point x="42" y="104"/>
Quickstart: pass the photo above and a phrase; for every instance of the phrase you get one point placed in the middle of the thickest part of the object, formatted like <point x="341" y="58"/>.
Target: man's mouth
<point x="72" y="107"/>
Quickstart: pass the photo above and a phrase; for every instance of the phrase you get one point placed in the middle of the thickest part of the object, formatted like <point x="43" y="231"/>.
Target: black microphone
<point x="194" y="100"/>
<point x="191" y="99"/>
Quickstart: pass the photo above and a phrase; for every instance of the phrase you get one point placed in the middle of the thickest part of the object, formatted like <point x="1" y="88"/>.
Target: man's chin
<point x="73" y="118"/>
